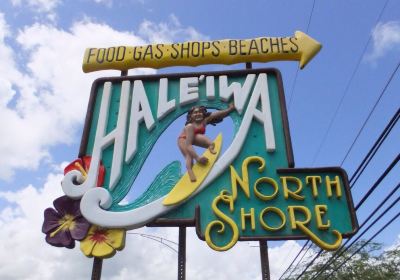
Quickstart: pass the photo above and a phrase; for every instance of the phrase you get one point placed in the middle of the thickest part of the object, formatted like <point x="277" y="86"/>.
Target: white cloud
<point x="25" y="255"/>
<point x="46" y="7"/>
<point x="44" y="99"/>
<point x="171" y="31"/>
<point x="107" y="3"/>
<point x="52" y="96"/>
<point x="395" y="245"/>
<point x="38" y="5"/>
<point x="385" y="38"/>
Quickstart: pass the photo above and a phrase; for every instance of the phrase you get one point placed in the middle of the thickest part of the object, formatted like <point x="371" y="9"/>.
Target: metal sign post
<point x="96" y="270"/>
<point x="182" y="254"/>
<point x="264" y="260"/>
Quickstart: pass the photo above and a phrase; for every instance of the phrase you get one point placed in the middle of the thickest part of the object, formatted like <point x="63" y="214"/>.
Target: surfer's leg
<point x="189" y="165"/>
<point x="188" y="158"/>
<point x="190" y="141"/>
<point x="203" y="141"/>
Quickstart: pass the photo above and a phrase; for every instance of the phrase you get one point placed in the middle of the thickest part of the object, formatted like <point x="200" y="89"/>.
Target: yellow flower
<point x="103" y="243"/>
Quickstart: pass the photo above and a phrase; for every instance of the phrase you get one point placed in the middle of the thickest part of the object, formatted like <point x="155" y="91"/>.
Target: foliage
<point x="370" y="263"/>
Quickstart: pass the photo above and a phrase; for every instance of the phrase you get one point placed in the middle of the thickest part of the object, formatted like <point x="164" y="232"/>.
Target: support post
<point x="264" y="260"/>
<point x="96" y="271"/>
<point x="182" y="254"/>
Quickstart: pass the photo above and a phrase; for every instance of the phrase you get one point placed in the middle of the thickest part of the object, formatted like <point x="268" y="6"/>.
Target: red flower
<point x="83" y="165"/>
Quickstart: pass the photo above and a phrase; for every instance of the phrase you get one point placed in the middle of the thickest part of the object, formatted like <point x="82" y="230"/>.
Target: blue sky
<point x="43" y="99"/>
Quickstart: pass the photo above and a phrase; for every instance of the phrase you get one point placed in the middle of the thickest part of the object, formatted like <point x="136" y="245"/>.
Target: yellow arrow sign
<point x="300" y="47"/>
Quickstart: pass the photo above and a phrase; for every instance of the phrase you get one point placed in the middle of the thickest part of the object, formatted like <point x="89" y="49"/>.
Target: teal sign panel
<point x="251" y="191"/>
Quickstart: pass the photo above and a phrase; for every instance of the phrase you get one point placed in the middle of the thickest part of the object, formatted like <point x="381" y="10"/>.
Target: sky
<point x="44" y="95"/>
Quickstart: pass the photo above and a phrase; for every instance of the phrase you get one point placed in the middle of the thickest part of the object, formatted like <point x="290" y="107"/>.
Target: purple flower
<point x="65" y="224"/>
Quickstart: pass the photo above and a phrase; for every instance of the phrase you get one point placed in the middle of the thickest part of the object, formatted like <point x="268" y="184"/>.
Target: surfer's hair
<point x="205" y="113"/>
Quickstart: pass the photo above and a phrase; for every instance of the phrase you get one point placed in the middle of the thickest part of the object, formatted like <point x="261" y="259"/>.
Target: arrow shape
<point x="300" y="47"/>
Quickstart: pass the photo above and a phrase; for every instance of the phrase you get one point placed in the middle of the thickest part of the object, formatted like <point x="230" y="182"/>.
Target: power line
<point x="287" y="255"/>
<point x="374" y="148"/>
<point x="340" y="251"/>
<point x="310" y="263"/>
<point x="292" y="90"/>
<point x="372" y="224"/>
<point x="361" y="169"/>
<point x="384" y="174"/>
<point x="347" y="87"/>
<point x="358" y="173"/>
<point x="157" y="239"/>
<point x="346" y="249"/>
<point x="289" y="105"/>
<point x="294" y="259"/>
<point x="305" y="253"/>
<point x="371" y="111"/>
<point x="374" y="186"/>
<point x="310" y="17"/>
<point x="337" y="109"/>
<point x="366" y="243"/>
<point x="297" y="69"/>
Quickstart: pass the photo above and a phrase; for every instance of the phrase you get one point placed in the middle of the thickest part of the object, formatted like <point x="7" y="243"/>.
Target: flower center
<point x="65" y="223"/>
<point x="81" y="169"/>
<point x="99" y="236"/>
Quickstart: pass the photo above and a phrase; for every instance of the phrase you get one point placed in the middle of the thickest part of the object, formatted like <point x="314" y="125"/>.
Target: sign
<point x="299" y="47"/>
<point x="251" y="191"/>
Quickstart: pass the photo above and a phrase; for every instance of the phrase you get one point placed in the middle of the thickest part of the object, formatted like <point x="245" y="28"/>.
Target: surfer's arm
<point x="219" y="115"/>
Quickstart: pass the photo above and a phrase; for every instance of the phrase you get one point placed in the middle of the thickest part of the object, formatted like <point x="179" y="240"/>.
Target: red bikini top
<point x="200" y="130"/>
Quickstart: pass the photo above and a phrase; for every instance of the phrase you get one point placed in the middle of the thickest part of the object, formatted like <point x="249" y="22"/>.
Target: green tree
<point x="369" y="263"/>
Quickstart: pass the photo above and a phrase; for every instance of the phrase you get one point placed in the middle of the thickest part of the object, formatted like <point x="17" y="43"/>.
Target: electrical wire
<point x="370" y="226"/>
<point x="305" y="253"/>
<point x="294" y="259"/>
<point x="158" y="239"/>
<point x="371" y="111"/>
<point x="383" y="175"/>
<point x="346" y="249"/>
<point x="376" y="184"/>
<point x="358" y="173"/>
<point x="374" y="148"/>
<point x="289" y="253"/>
<point x="310" y="263"/>
<point x="297" y="69"/>
<point x="292" y="90"/>
<point x="289" y="106"/>
<point x="347" y="87"/>
<point x="365" y="244"/>
<point x="337" y="109"/>
<point x="340" y="251"/>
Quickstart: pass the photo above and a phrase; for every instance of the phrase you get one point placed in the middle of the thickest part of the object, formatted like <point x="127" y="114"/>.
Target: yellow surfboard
<point x="184" y="188"/>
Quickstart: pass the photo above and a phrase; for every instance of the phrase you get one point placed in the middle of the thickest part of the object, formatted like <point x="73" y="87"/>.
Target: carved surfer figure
<point x="194" y="134"/>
